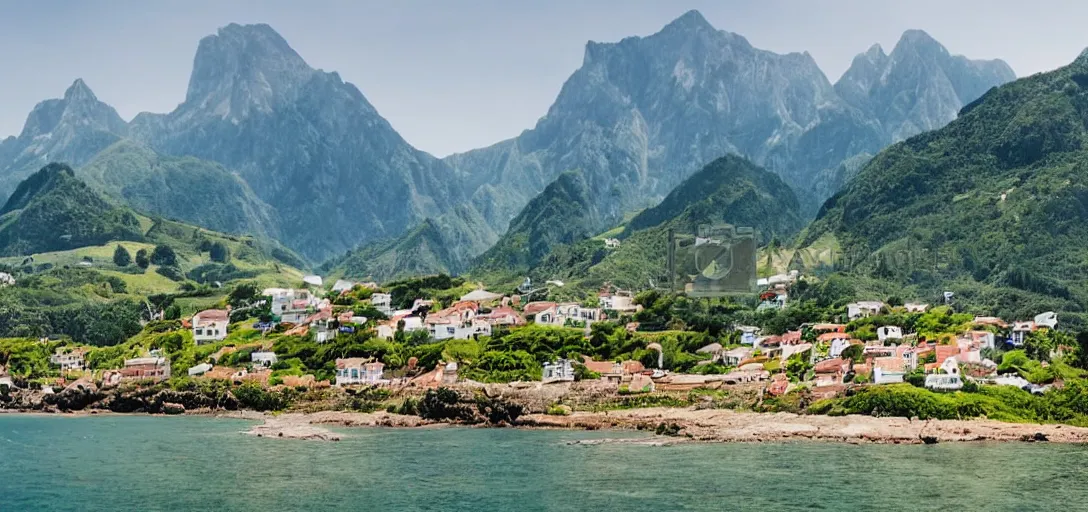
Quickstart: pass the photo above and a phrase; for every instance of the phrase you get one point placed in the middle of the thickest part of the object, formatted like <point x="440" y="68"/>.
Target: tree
<point x="164" y="255"/>
<point x="121" y="257"/>
<point x="219" y="252"/>
<point x="142" y="260"/>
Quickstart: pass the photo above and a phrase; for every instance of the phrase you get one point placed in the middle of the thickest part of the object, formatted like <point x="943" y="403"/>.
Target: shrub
<point x="142" y="259"/>
<point x="164" y="255"/>
<point x="121" y="257"/>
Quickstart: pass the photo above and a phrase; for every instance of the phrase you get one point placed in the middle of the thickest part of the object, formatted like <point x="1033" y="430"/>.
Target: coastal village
<point x="862" y="347"/>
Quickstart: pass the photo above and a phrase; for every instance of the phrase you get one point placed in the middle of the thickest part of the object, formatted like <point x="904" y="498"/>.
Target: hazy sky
<point x="455" y="75"/>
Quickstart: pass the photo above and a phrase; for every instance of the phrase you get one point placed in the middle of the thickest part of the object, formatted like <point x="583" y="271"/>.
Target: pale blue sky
<point x="456" y="75"/>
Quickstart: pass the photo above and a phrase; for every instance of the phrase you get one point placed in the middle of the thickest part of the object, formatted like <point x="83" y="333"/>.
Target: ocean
<point x="196" y="463"/>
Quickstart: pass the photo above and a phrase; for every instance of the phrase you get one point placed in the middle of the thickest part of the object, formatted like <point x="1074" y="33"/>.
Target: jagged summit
<point x="244" y="68"/>
<point x="79" y="91"/>
<point x="692" y="20"/>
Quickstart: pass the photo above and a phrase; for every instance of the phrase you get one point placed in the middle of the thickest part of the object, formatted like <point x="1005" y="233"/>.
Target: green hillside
<point x="182" y="188"/>
<point x="730" y="190"/>
<point x="52" y="210"/>
<point x="90" y="270"/>
<point x="440" y="245"/>
<point x="992" y="207"/>
<point x="562" y="214"/>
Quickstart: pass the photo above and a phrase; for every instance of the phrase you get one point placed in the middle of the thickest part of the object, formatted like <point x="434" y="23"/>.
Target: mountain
<point x="992" y="206"/>
<point x="307" y="143"/>
<point x="919" y="87"/>
<point x="729" y="190"/>
<point x="52" y="210"/>
<point x="70" y="129"/>
<point x="564" y="213"/>
<point x="643" y="114"/>
<point x="646" y="112"/>
<point x="183" y="188"/>
<point x="436" y="246"/>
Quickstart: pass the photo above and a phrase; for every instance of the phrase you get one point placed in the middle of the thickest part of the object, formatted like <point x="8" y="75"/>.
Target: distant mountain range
<point x="265" y="144"/>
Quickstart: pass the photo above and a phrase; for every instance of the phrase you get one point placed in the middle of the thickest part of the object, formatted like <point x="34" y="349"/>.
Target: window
<point x="355" y="373"/>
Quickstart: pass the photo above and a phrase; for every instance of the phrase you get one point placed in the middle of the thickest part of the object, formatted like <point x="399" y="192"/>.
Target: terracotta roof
<point x="829" y="327"/>
<point x="791" y="338"/>
<point x="351" y="362"/>
<point x="830" y="366"/>
<point x="889" y="364"/>
<point x="946" y="351"/>
<point x="601" y="367"/>
<point x="211" y="315"/>
<point x="829" y="336"/>
<point x="533" y="308"/>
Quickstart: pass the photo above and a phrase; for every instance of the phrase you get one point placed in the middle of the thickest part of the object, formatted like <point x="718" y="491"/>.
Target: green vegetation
<point x="564" y="213"/>
<point x="729" y="190"/>
<point x="52" y="210"/>
<point x="991" y="207"/>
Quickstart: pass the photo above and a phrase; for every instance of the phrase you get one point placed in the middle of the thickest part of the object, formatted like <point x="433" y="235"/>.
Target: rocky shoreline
<point x="686" y="425"/>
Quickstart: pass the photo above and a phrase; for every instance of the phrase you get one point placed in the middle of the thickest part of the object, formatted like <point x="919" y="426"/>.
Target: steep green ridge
<point x="564" y="213"/>
<point x="52" y="211"/>
<point x="729" y="190"/>
<point x="184" y="188"/>
<point x="437" y="246"/>
<point x="992" y="207"/>
<point x="732" y="190"/>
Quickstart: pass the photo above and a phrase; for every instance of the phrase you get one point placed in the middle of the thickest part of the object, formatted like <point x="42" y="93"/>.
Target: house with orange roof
<point x="821" y="328"/>
<point x="946" y="351"/>
<point x="210" y="325"/>
<point x="503" y="315"/>
<point x="829" y="372"/>
<point x="888" y="370"/>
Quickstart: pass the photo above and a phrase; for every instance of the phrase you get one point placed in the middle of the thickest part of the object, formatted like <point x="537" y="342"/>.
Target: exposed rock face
<point x="919" y="87"/>
<point x="71" y="129"/>
<point x="306" y="142"/>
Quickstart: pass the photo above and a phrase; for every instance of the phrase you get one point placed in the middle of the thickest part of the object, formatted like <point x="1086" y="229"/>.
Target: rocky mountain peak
<point x="242" y="69"/>
<point x="79" y="91"/>
<point x="78" y="109"/>
<point x="691" y="21"/>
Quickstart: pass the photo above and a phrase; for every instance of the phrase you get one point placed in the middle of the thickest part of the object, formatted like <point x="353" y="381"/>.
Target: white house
<point x="949" y="380"/>
<point x="342" y="285"/>
<point x="620" y="301"/>
<point x="559" y="371"/>
<point x="357" y="370"/>
<point x="889" y="332"/>
<point x="382" y="302"/>
<point x="6" y="279"/>
<point x="915" y="307"/>
<point x="735" y="356"/>
<point x="838" y="345"/>
<point x="200" y="369"/>
<point x="313" y="280"/>
<point x="611" y="243"/>
<point x="68" y="360"/>
<point x="210" y="325"/>
<point x="863" y="309"/>
<point x="263" y="358"/>
<point x="1048" y="320"/>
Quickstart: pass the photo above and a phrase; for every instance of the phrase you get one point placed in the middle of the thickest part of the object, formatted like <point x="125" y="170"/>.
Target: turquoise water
<point x="192" y="463"/>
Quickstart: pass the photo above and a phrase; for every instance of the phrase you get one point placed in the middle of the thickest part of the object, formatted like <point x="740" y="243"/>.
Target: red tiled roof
<point x="533" y="308"/>
<point x="946" y="351"/>
<point x="829" y="336"/>
<point x="829" y="327"/>
<point x="829" y="366"/>
<point x="211" y="315"/>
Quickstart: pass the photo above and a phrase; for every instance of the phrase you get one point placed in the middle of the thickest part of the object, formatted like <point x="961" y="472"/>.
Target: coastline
<point x="692" y="425"/>
<point x="680" y="425"/>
